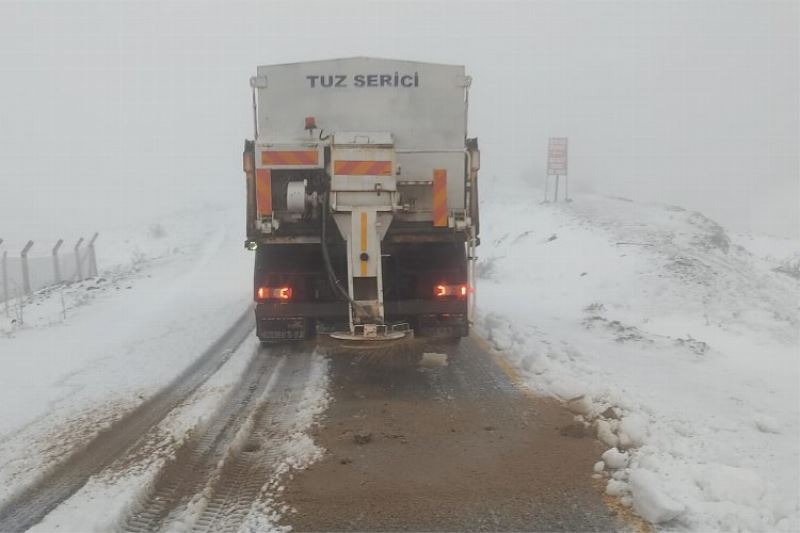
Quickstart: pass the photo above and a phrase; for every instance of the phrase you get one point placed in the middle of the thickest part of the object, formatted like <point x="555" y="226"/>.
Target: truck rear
<point x="362" y="200"/>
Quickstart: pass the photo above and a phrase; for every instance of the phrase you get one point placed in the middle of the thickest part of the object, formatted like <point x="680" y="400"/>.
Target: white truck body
<point x="378" y="150"/>
<point x="422" y="105"/>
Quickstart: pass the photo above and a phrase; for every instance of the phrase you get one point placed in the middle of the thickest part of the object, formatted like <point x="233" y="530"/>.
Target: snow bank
<point x="676" y="343"/>
<point x="649" y="499"/>
<point x="722" y="483"/>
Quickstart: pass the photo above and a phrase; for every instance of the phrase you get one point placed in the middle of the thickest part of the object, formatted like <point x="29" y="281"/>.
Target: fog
<point x="119" y="113"/>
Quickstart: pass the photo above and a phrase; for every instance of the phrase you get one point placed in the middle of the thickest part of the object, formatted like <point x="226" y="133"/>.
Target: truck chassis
<point x="362" y="201"/>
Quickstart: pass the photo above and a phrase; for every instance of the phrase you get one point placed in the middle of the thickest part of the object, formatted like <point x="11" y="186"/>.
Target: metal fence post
<point x="78" y="271"/>
<point x="92" y="257"/>
<point x="26" y="279"/>
<point x="56" y="265"/>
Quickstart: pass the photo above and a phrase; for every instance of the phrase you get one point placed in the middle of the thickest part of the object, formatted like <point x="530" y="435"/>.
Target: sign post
<point x="557" y="164"/>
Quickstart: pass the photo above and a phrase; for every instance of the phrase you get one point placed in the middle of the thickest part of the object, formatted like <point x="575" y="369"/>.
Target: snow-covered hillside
<point x="670" y="341"/>
<point x="87" y="353"/>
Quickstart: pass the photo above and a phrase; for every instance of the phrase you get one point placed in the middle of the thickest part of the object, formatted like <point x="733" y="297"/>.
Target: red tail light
<point x="274" y="293"/>
<point x="458" y="291"/>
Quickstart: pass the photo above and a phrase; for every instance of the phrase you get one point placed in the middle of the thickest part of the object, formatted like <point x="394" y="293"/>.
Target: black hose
<point x="334" y="281"/>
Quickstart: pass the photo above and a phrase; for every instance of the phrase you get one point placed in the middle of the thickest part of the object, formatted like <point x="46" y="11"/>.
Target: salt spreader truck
<point x="362" y="200"/>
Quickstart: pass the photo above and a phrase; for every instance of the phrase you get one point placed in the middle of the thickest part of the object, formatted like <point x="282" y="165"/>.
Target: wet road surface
<point x="448" y="445"/>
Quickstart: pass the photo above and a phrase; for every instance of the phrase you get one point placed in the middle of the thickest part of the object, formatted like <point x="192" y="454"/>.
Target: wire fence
<point x="21" y="275"/>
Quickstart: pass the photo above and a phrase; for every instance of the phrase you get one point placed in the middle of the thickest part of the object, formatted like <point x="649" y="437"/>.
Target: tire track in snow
<point x="30" y="505"/>
<point x="240" y="494"/>
<point x="194" y="462"/>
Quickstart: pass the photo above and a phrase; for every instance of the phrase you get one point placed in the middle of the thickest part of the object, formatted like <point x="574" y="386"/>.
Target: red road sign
<point x="557" y="156"/>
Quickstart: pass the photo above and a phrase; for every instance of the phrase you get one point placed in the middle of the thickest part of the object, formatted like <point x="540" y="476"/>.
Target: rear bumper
<point x="297" y="320"/>
<point x="333" y="310"/>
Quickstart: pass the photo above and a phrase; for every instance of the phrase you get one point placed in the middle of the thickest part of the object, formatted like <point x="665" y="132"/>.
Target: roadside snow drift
<point x="675" y="344"/>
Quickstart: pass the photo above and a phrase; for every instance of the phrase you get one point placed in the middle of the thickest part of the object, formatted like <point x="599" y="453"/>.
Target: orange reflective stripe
<point x="289" y="157"/>
<point x="362" y="168"/>
<point x="264" y="191"/>
<point x="440" y="198"/>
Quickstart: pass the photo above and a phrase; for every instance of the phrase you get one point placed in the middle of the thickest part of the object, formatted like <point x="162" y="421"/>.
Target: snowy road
<point x="446" y="443"/>
<point x="219" y="477"/>
<point x="32" y="504"/>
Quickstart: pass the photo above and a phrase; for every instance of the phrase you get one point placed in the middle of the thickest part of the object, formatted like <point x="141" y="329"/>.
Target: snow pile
<point x="667" y="337"/>
<point x="790" y="266"/>
<point x="650" y="501"/>
<point x="614" y="458"/>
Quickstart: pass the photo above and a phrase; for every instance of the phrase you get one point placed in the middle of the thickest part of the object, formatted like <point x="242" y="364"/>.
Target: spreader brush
<point x="402" y="351"/>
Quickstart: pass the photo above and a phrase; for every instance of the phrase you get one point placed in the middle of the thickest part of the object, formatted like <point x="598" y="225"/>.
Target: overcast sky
<point x="114" y="113"/>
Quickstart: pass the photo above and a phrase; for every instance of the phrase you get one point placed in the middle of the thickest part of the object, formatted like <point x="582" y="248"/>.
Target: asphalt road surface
<point x="450" y="444"/>
<point x="445" y="443"/>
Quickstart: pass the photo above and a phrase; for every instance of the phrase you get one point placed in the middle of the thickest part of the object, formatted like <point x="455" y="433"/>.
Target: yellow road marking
<point x="622" y="512"/>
